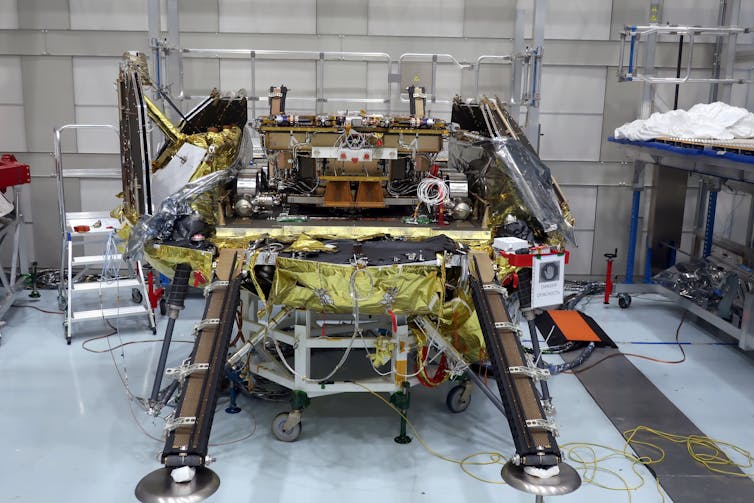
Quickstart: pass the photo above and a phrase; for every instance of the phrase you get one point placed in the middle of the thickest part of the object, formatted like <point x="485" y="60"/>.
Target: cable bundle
<point x="432" y="191"/>
<point x="111" y="262"/>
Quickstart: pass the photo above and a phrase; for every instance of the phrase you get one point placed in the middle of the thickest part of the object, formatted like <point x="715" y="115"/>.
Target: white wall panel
<point x="583" y="204"/>
<point x="94" y="81"/>
<point x="100" y="140"/>
<point x="8" y="15"/>
<point x="194" y="15"/>
<point x="268" y="16"/>
<point x="568" y="89"/>
<point x="109" y="15"/>
<point x="99" y="195"/>
<point x="489" y="18"/>
<point x="570" y="137"/>
<point x="579" y="19"/>
<point x="343" y="18"/>
<point x="448" y="82"/>
<point x="11" y="87"/>
<point x="345" y="79"/>
<point x="235" y="75"/>
<point x="12" y="129"/>
<point x="377" y="84"/>
<point x="692" y="12"/>
<point x="580" y="261"/>
<point x="43" y="14"/>
<point x="200" y="76"/>
<point x="298" y="76"/>
<point x="440" y="18"/>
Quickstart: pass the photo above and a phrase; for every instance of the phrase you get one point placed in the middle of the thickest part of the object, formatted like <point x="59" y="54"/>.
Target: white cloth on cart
<point x="718" y="121"/>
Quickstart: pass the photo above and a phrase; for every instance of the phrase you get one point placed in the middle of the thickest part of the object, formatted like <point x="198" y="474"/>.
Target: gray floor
<point x="67" y="433"/>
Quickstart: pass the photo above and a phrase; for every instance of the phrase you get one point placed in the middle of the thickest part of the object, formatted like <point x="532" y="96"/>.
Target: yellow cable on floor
<point x="714" y="457"/>
<point x="592" y="464"/>
<point x="494" y="457"/>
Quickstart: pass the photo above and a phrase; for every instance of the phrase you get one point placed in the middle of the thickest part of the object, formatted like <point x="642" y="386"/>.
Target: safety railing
<point x="318" y="57"/>
<point x="634" y="40"/>
<point x="530" y="62"/>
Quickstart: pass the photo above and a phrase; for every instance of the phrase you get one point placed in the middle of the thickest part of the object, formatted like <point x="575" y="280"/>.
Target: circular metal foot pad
<point x="567" y="481"/>
<point x="159" y="487"/>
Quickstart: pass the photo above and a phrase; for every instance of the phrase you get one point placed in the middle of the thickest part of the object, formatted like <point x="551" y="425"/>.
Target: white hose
<point x="432" y="191"/>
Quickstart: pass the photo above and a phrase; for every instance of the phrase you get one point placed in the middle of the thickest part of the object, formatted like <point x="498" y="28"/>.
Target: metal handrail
<point x="435" y="59"/>
<point x="672" y="29"/>
<point x="478" y="66"/>
<point x="319" y="57"/>
<point x="337" y="55"/>
<point x="633" y="35"/>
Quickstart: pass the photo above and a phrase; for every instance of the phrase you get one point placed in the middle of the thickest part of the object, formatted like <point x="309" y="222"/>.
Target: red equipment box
<point x="525" y="259"/>
<point x="13" y="172"/>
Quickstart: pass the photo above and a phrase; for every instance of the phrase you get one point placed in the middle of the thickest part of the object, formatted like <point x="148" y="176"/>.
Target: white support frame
<point x="305" y="339"/>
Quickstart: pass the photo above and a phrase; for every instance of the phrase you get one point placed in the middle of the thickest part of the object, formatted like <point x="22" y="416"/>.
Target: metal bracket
<point x="294" y="417"/>
<point x="209" y="322"/>
<point x="494" y="287"/>
<point x="215" y="285"/>
<point x="548" y="407"/>
<point x="532" y="372"/>
<point x="185" y="370"/>
<point x="543" y="424"/>
<point x="173" y="423"/>
<point x="507" y="325"/>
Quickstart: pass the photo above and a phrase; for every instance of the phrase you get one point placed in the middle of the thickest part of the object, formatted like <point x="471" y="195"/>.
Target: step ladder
<point x="93" y="228"/>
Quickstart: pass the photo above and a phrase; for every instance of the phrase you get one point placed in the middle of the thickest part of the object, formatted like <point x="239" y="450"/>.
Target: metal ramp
<point x="198" y="380"/>
<point x="93" y="228"/>
<point x="526" y="404"/>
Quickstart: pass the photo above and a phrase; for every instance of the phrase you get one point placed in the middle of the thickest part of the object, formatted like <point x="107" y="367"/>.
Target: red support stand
<point x="609" y="275"/>
<point x="154" y="294"/>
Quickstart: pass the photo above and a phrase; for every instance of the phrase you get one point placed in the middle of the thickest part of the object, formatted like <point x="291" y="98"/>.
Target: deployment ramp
<point x="187" y="442"/>
<point x="189" y="430"/>
<point x="533" y="433"/>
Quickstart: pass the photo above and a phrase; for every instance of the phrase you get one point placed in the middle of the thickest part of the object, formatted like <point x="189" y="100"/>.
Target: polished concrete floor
<point x="68" y="434"/>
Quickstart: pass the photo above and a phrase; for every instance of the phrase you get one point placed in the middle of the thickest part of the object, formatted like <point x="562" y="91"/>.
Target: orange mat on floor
<point x="573" y="326"/>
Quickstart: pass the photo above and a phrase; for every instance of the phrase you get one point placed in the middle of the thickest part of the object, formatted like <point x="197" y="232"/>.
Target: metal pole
<point x="678" y="72"/>
<point x="633" y="234"/>
<point x="648" y="91"/>
<point x="153" y="20"/>
<point x="175" y="56"/>
<point x="486" y="390"/>
<point x="710" y="227"/>
<point x="718" y="52"/>
<point x="175" y="301"/>
<point x="538" y="42"/>
<point x="253" y="85"/>
<point x="518" y="49"/>
<point x="732" y="15"/>
<point x="537" y="352"/>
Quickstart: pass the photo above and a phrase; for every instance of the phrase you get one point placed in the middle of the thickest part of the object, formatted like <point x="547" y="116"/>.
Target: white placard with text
<point x="547" y="280"/>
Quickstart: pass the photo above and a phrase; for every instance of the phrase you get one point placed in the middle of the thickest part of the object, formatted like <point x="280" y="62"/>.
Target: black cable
<point x="656" y="360"/>
<point x="37" y="308"/>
